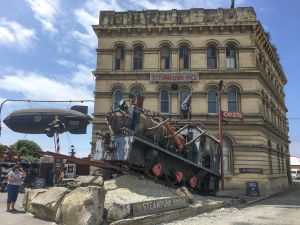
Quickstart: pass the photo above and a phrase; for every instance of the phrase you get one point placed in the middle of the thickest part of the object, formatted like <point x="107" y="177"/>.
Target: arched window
<point x="165" y="57"/>
<point x="231" y="57"/>
<point x="184" y="57"/>
<point x="233" y="100"/>
<point x="183" y="94"/>
<point x="211" y="57"/>
<point x="212" y="101"/>
<point x="118" y="96"/>
<point x="164" y="101"/>
<point x="138" y="58"/>
<point x="227" y="155"/>
<point x="137" y="92"/>
<point x="120" y="58"/>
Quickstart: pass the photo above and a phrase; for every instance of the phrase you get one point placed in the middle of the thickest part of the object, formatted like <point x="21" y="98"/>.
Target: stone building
<point x="165" y="55"/>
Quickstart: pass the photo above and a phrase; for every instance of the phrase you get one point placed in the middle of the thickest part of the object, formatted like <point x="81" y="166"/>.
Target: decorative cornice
<point x="266" y="45"/>
<point x="148" y="18"/>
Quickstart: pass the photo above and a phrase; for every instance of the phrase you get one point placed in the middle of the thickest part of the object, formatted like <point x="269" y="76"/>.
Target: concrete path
<point x="281" y="209"/>
<point x="21" y="218"/>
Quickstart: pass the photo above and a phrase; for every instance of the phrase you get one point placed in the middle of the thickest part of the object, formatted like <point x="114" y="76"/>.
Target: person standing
<point x="14" y="180"/>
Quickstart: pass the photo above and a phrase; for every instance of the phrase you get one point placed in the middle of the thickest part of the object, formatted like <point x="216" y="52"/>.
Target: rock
<point x="84" y="181"/>
<point x="118" y="211"/>
<point x="84" y="206"/>
<point x="29" y="196"/>
<point x="183" y="191"/>
<point x="45" y="205"/>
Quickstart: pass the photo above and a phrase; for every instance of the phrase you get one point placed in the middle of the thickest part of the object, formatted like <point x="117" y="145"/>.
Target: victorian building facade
<point x="165" y="55"/>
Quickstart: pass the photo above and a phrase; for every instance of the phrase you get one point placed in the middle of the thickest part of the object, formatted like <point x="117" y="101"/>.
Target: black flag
<point x="232" y="4"/>
<point x="185" y="107"/>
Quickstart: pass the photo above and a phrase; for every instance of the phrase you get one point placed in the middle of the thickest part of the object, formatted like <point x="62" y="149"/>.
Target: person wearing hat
<point x="14" y="180"/>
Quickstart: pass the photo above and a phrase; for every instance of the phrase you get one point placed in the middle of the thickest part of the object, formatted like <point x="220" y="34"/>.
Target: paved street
<point x="282" y="209"/>
<point x="21" y="218"/>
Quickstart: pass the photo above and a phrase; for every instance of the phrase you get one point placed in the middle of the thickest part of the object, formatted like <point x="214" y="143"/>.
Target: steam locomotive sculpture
<point x="146" y="141"/>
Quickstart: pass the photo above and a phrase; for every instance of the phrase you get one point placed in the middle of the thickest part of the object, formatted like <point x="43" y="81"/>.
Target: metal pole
<point x="220" y="85"/>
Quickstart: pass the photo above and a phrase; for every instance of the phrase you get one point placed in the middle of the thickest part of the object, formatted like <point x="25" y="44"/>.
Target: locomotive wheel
<point x="193" y="182"/>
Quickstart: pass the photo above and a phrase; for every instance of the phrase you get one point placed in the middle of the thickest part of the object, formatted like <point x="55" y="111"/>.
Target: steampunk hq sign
<point x="159" y="205"/>
<point x="174" y="77"/>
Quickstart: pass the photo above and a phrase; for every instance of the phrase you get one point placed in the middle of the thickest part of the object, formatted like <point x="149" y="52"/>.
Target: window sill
<point x="228" y="175"/>
<point x="212" y="114"/>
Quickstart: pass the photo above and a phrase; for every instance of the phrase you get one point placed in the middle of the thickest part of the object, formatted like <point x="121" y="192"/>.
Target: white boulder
<point x="82" y="206"/>
<point x="45" y="205"/>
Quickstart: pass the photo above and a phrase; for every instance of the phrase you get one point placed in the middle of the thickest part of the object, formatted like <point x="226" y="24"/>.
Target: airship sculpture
<point x="49" y="120"/>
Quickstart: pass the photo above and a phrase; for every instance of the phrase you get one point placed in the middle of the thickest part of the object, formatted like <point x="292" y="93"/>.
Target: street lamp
<point x="220" y="85"/>
<point x="72" y="151"/>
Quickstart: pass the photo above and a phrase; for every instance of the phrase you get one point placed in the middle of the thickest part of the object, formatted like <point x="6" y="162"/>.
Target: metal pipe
<point x="195" y="138"/>
<point x="157" y="126"/>
<point x="220" y="85"/>
<point x="170" y="136"/>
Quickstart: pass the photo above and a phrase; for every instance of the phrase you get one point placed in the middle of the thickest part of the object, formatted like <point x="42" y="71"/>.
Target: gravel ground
<point x="283" y="209"/>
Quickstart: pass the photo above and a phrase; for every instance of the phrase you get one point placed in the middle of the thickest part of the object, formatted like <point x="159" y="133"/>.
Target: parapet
<point x="176" y="17"/>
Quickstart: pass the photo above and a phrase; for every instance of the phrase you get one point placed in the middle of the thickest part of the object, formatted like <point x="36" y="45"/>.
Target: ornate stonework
<point x="175" y="17"/>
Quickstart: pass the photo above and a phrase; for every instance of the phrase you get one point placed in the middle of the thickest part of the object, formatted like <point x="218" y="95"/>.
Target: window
<point x="233" y="101"/>
<point x="278" y="159"/>
<point x="118" y="96"/>
<point x="165" y="57"/>
<point x="212" y="101"/>
<point x="231" y="57"/>
<point x="120" y="58"/>
<point x="138" y="58"/>
<point x="183" y="94"/>
<point x="137" y="92"/>
<point x="211" y="57"/>
<point x="227" y="155"/>
<point x="270" y="156"/>
<point x="184" y="57"/>
<point x="282" y="159"/>
<point x="164" y="101"/>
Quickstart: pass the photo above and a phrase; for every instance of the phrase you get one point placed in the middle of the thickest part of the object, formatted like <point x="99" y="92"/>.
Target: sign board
<point x="38" y="183"/>
<point x="251" y="170"/>
<point x="234" y="115"/>
<point x="57" y="163"/>
<point x="252" y="188"/>
<point x="174" y="77"/>
<point x="159" y="205"/>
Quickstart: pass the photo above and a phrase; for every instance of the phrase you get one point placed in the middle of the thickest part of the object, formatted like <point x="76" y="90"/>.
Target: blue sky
<point x="47" y="51"/>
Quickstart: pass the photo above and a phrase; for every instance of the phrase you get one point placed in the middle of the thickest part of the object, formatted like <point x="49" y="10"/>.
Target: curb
<point x="176" y="214"/>
<point x="261" y="198"/>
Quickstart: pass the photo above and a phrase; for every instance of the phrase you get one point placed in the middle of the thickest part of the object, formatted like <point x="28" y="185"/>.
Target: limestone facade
<point x="191" y="51"/>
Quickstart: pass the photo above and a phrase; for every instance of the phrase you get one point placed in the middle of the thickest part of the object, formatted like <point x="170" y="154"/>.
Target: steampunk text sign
<point x="159" y="205"/>
<point x="234" y="115"/>
<point x="174" y="77"/>
<point x="251" y="170"/>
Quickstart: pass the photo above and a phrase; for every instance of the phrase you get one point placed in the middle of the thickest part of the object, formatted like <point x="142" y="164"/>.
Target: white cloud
<point x="45" y="11"/>
<point x="37" y="86"/>
<point x="81" y="75"/>
<point x="14" y="34"/>
<point x="66" y="63"/>
<point x="87" y="16"/>
<point x="162" y="5"/>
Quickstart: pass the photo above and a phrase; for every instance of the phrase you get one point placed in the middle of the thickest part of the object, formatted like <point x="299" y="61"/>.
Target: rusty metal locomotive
<point x="177" y="154"/>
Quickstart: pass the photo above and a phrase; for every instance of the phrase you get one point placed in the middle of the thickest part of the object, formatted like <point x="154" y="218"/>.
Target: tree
<point x="28" y="151"/>
<point x="2" y="148"/>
